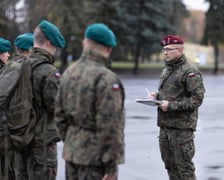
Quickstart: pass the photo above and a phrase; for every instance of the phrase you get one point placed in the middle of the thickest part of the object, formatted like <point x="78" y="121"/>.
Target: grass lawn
<point x="130" y="65"/>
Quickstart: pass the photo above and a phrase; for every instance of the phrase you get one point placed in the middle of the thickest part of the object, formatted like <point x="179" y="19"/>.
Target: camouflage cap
<point x="100" y="33"/>
<point x="52" y="33"/>
<point x="5" y="45"/>
<point x="24" y="41"/>
<point x="171" y="39"/>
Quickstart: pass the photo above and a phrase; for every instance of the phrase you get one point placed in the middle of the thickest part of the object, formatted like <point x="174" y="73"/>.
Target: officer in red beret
<point x="182" y="91"/>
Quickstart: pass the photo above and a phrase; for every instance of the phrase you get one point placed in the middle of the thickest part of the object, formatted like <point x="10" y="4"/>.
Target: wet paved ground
<point x="143" y="160"/>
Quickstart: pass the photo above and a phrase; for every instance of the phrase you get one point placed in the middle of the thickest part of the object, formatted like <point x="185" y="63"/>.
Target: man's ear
<point x="49" y="43"/>
<point x="109" y="49"/>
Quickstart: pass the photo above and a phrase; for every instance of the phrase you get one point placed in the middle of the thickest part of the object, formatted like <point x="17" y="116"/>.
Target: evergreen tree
<point x="140" y="26"/>
<point x="3" y="19"/>
<point x="214" y="28"/>
<point x="71" y="20"/>
<point x="101" y="10"/>
<point x="37" y="11"/>
<point x="8" y="16"/>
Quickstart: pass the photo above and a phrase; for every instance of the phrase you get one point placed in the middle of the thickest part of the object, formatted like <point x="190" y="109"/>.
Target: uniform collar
<point x="42" y="54"/>
<point x="2" y="64"/>
<point x="176" y="62"/>
<point x="92" y="55"/>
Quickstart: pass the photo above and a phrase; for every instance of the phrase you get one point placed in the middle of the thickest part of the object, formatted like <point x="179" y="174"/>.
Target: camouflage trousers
<point x="11" y="174"/>
<point x="80" y="172"/>
<point x="177" y="150"/>
<point x="32" y="165"/>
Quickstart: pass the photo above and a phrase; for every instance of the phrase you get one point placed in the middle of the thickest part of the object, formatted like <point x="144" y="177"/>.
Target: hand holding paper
<point x="149" y="102"/>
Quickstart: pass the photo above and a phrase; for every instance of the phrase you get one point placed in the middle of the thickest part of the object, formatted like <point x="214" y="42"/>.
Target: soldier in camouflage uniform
<point x="182" y="91"/>
<point x="23" y="43"/>
<point x="90" y="111"/>
<point x="5" y="46"/>
<point x="39" y="161"/>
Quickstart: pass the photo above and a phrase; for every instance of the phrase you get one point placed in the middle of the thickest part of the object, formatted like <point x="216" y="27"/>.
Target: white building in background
<point x="203" y="55"/>
<point x="195" y="53"/>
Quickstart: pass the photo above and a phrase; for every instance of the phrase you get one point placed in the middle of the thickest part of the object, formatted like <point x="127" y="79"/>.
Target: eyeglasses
<point x="169" y="49"/>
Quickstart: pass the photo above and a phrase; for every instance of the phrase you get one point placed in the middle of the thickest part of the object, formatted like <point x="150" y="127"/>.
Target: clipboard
<point x="149" y="102"/>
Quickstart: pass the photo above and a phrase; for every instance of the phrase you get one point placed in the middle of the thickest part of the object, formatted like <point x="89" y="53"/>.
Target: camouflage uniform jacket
<point x="45" y="85"/>
<point x="90" y="112"/>
<point x="17" y="57"/>
<point x="2" y="64"/>
<point x="182" y="85"/>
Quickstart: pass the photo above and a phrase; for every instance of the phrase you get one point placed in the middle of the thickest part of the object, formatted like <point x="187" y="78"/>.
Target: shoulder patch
<point x="57" y="75"/>
<point x="191" y="74"/>
<point x="116" y="87"/>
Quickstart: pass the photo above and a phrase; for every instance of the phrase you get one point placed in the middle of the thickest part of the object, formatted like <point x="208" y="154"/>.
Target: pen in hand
<point x="150" y="95"/>
<point x="147" y="90"/>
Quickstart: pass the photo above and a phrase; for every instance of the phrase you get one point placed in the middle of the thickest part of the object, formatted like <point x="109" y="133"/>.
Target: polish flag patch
<point x="116" y="87"/>
<point x="57" y="75"/>
<point x="192" y="74"/>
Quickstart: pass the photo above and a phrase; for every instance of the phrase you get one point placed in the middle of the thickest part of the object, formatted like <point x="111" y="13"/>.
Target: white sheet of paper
<point x="149" y="102"/>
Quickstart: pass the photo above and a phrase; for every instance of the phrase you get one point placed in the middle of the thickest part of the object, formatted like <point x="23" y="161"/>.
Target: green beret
<point x="100" y="33"/>
<point x="52" y="33"/>
<point x="24" y="41"/>
<point x="5" y="45"/>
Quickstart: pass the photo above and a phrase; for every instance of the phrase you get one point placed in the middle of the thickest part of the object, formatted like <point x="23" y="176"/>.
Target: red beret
<point x="170" y="39"/>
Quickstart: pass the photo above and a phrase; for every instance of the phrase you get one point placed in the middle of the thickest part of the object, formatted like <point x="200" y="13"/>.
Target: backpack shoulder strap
<point x="37" y="63"/>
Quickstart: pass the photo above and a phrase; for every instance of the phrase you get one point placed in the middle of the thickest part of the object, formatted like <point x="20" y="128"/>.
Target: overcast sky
<point x="196" y="4"/>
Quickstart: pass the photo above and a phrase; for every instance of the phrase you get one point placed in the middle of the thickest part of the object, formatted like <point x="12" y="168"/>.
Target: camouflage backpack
<point x="17" y="114"/>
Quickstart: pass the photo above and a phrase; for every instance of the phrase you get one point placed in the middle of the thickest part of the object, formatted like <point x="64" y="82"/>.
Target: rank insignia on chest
<point x="116" y="87"/>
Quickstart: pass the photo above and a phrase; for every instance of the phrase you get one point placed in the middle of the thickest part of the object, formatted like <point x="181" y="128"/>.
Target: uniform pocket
<point x="186" y="142"/>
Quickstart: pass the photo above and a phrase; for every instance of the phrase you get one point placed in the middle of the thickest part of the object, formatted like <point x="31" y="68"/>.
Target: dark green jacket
<point x="45" y="86"/>
<point x="182" y="85"/>
<point x="90" y="113"/>
<point x="2" y="64"/>
<point x="17" y="57"/>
